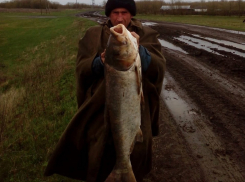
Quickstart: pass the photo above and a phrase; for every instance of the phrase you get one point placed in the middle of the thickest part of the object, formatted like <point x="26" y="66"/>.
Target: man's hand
<point x="136" y="36"/>
<point x="102" y="56"/>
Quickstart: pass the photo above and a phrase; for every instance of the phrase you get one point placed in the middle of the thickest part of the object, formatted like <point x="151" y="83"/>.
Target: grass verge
<point x="37" y="90"/>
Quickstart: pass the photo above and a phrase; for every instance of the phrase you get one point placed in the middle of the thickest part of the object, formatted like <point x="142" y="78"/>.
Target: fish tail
<point x="121" y="176"/>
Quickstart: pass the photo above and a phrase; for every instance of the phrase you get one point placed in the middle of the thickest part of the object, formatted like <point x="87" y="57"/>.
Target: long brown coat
<point x="85" y="150"/>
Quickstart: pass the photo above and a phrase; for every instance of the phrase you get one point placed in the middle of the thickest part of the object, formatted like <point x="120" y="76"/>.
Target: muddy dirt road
<point x="202" y="127"/>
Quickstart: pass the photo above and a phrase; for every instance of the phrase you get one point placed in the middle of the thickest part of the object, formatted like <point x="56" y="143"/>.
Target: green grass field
<point x="37" y="85"/>
<point x="37" y="89"/>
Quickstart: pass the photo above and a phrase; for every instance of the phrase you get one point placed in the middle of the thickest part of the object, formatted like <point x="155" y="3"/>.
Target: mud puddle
<point x="229" y="31"/>
<point x="169" y="45"/>
<point x="207" y="46"/>
<point x="225" y="42"/>
<point x="149" y="23"/>
<point x="196" y="129"/>
<point x="220" y="29"/>
<point x="229" y="86"/>
<point x="179" y="108"/>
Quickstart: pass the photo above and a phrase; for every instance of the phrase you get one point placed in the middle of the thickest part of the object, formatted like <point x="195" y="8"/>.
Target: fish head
<point x="122" y="48"/>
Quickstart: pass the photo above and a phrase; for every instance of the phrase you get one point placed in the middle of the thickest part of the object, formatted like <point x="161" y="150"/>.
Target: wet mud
<point x="202" y="119"/>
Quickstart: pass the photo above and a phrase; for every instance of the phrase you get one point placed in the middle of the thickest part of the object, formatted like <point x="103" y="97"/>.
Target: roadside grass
<point x="37" y="91"/>
<point x="225" y="22"/>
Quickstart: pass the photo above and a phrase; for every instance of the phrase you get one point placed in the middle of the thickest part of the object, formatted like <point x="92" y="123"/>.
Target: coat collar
<point x="136" y="23"/>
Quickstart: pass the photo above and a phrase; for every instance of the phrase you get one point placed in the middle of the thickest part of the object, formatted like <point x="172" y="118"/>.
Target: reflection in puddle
<point x="222" y="30"/>
<point x="179" y="108"/>
<point x="171" y="46"/>
<point x="207" y="46"/>
<point x="149" y="24"/>
<point x="230" y="31"/>
<point x="197" y="132"/>
<point x="225" y="42"/>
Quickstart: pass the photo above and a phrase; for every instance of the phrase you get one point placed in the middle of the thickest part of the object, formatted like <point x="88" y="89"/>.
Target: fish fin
<point x="121" y="176"/>
<point x="139" y="136"/>
<point x="138" y="79"/>
<point x="132" y="147"/>
<point x="142" y="100"/>
<point x="138" y="74"/>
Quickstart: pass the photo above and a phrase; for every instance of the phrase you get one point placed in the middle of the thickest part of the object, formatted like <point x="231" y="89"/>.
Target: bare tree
<point x="230" y="7"/>
<point x="202" y="4"/>
<point x="41" y="7"/>
<point x="103" y="3"/>
<point x="47" y="7"/>
<point x="178" y="3"/>
<point x="239" y="3"/>
<point x="172" y="5"/>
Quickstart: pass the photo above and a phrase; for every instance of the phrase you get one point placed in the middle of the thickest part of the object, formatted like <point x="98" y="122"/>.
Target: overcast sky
<point x="97" y="2"/>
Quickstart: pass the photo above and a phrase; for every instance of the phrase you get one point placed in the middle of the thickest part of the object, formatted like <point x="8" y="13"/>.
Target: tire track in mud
<point x="221" y="162"/>
<point x="173" y="160"/>
<point x="204" y="144"/>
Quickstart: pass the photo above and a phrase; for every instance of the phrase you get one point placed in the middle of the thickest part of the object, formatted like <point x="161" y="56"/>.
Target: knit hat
<point x="127" y="4"/>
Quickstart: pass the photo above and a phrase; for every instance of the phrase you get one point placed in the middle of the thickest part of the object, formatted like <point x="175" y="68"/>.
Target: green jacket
<point x="85" y="150"/>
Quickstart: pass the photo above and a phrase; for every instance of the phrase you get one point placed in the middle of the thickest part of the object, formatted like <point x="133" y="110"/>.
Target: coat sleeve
<point x="154" y="74"/>
<point x="88" y="49"/>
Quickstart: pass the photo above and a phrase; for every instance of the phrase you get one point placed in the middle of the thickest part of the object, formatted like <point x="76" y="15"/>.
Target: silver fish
<point x="124" y="95"/>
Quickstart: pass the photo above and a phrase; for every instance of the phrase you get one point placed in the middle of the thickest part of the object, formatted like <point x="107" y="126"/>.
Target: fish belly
<point x="123" y="112"/>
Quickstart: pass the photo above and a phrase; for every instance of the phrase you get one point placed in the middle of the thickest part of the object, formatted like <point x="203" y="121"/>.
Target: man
<point x="85" y="150"/>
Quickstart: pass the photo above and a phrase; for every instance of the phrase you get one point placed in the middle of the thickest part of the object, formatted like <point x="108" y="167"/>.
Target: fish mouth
<point x="118" y="29"/>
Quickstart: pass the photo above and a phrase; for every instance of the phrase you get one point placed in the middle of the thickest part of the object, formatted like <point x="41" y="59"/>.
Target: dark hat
<point x="127" y="4"/>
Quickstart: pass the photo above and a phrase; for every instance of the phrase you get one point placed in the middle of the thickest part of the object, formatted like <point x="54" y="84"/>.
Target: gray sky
<point x="97" y="2"/>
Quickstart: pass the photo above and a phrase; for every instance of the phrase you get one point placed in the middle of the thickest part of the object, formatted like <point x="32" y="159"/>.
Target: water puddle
<point x="98" y="14"/>
<point x="222" y="30"/>
<point x="179" y="108"/>
<point x="229" y="31"/>
<point x="171" y="46"/>
<point x="225" y="42"/>
<point x="207" y="46"/>
<point x="149" y="23"/>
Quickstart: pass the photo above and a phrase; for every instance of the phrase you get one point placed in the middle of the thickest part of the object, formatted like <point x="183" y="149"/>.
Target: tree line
<point x="42" y="4"/>
<point x="32" y="4"/>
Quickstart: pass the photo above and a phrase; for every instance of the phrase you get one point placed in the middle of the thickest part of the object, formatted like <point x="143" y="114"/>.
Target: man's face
<point x="120" y="16"/>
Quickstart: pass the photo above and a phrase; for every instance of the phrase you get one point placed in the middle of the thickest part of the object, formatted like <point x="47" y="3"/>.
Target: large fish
<point x="123" y="99"/>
